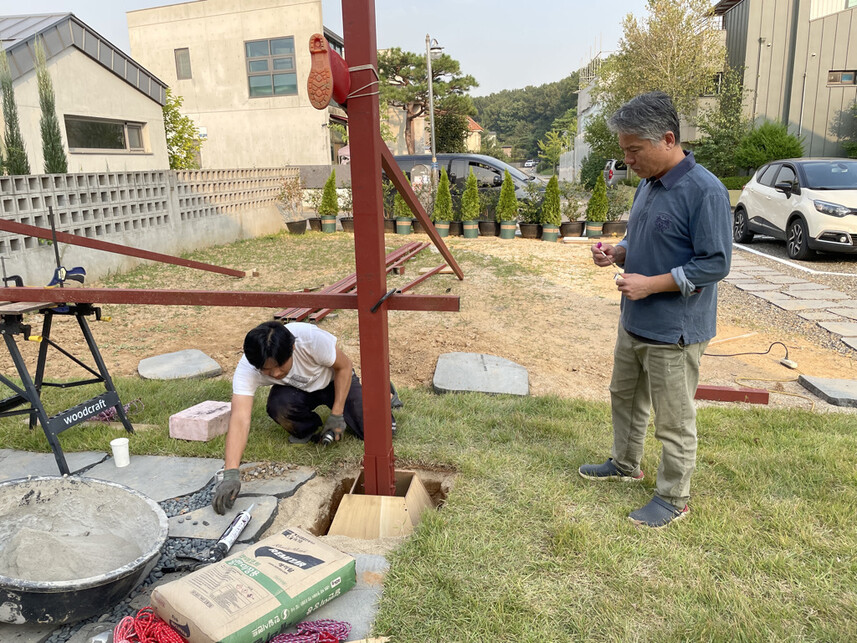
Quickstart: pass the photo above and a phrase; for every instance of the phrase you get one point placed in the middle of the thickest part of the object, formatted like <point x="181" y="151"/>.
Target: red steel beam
<point x="422" y="278"/>
<point x="247" y="299"/>
<point x="95" y="244"/>
<point x="394" y="173"/>
<point x="727" y="394"/>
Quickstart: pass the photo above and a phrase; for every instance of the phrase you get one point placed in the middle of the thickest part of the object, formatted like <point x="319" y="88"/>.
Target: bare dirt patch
<point x="556" y="316"/>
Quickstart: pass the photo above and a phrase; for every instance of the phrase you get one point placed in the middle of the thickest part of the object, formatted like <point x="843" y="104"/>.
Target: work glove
<point x="334" y="425"/>
<point x="227" y="491"/>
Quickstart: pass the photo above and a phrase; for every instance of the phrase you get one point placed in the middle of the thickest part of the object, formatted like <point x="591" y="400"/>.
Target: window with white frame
<point x="183" y="64"/>
<point x="271" y="67"/>
<point x="86" y="134"/>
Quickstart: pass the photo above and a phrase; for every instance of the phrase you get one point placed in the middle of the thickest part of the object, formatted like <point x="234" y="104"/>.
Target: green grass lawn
<point x="526" y="550"/>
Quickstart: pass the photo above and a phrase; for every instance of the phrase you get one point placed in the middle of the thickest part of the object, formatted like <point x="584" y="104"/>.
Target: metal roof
<point x="724" y="5"/>
<point x="60" y="31"/>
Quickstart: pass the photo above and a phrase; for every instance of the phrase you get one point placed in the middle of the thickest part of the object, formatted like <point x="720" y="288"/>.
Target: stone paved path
<point x="833" y="310"/>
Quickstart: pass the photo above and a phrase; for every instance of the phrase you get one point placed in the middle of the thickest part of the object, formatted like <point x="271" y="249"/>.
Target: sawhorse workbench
<point x="29" y="392"/>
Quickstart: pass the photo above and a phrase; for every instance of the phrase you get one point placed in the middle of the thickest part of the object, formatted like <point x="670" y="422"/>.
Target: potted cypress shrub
<point x="551" y="217"/>
<point x="572" y="194"/>
<point x="403" y="213"/>
<point x="529" y="211"/>
<point x="470" y="208"/>
<point x="507" y="208"/>
<point x="441" y="214"/>
<point x="329" y="207"/>
<point x="596" y="209"/>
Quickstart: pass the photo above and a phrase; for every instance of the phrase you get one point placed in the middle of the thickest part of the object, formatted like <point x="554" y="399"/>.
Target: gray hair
<point x="648" y="116"/>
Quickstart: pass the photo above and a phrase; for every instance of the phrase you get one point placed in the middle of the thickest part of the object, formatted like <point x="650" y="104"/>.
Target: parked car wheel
<point x="740" y="228"/>
<point x="797" y="240"/>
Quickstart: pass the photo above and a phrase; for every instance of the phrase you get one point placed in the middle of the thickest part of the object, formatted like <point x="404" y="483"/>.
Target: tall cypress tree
<point x="52" y="149"/>
<point x="16" y="154"/>
<point x="550" y="208"/>
<point x="507" y="207"/>
<point x="470" y="199"/>
<point x="329" y="198"/>
<point x="443" y="201"/>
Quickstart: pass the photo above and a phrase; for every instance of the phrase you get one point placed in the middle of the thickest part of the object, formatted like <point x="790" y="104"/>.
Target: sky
<point x="503" y="44"/>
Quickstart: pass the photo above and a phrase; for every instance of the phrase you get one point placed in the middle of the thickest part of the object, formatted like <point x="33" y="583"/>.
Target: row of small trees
<point x="13" y="160"/>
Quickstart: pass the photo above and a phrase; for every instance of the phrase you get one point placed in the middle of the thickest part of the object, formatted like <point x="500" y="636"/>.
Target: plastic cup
<point x="121" y="457"/>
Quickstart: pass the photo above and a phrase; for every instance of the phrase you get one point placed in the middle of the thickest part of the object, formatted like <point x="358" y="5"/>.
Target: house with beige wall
<point x="108" y="105"/>
<point x="241" y="69"/>
<point x="800" y="64"/>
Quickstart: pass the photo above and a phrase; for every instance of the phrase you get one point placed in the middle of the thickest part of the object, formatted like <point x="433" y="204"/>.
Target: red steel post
<point x="358" y="19"/>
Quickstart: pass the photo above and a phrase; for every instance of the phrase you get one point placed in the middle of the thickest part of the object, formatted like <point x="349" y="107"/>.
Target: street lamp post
<point x="433" y="50"/>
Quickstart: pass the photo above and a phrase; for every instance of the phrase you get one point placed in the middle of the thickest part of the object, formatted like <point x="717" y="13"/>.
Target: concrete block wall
<point x="171" y="212"/>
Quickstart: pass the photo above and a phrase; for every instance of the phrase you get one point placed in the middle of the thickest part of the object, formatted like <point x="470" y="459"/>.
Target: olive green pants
<point x="663" y="378"/>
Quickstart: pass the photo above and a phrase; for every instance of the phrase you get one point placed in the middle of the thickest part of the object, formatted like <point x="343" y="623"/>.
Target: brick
<point x="202" y="422"/>
<point x="727" y="394"/>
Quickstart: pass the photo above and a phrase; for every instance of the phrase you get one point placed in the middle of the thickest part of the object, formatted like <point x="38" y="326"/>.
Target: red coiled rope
<point x="322" y="631"/>
<point x="146" y="627"/>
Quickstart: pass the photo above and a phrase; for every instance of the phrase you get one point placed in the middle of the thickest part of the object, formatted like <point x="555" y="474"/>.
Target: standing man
<point x="677" y="247"/>
<point x="305" y="369"/>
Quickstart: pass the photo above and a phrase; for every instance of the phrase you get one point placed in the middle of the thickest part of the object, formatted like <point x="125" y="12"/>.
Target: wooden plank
<point x="417" y="500"/>
<point x="21" y="307"/>
<point x="727" y="394"/>
<point x="371" y="517"/>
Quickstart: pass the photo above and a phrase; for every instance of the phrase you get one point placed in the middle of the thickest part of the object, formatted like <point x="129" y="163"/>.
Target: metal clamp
<point x="383" y="299"/>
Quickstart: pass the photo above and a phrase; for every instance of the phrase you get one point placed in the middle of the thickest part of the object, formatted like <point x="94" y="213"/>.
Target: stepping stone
<point x="832" y="391"/>
<point x="278" y="487"/>
<point x="850" y="313"/>
<point x="772" y="295"/>
<point x="819" y="315"/>
<point x="263" y="514"/>
<point x="20" y="464"/>
<point x="184" y="364"/>
<point x="802" y="304"/>
<point x="461" y="372"/>
<point x="808" y="285"/>
<point x="851" y="342"/>
<point x="785" y="279"/>
<point x="737" y="276"/>
<point x="160" y="477"/>
<point x="825" y="293"/>
<point x="846" y="329"/>
<point x="757" y="287"/>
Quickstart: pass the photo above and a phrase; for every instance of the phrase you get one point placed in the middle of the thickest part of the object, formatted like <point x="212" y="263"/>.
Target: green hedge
<point x="734" y="182"/>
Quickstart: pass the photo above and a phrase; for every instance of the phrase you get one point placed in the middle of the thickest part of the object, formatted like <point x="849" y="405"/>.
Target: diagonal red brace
<point x="95" y="244"/>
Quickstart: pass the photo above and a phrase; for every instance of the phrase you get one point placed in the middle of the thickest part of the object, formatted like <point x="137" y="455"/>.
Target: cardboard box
<point x="251" y="596"/>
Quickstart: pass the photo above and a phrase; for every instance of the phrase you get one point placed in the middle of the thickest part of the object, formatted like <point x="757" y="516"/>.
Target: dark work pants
<point x="293" y="409"/>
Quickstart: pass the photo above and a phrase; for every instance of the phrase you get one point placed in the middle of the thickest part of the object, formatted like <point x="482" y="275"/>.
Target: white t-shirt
<point x="312" y="363"/>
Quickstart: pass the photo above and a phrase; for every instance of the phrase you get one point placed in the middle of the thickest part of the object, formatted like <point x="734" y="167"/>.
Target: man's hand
<point x="634" y="286"/>
<point x="227" y="491"/>
<point x="603" y="254"/>
<point x="336" y="424"/>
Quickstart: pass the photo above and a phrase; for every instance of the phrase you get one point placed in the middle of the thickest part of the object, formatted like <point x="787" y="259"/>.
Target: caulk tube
<point x="224" y="544"/>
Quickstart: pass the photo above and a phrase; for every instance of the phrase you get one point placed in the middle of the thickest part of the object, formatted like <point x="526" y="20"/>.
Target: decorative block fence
<point x="166" y="211"/>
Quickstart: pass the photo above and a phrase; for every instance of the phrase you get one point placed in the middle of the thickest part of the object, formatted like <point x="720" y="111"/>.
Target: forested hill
<point x="520" y="117"/>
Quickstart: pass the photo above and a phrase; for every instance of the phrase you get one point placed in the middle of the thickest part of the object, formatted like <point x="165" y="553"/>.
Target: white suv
<point x="811" y="204"/>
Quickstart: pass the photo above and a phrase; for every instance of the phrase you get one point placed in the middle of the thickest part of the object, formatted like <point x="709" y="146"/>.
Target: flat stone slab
<point x="160" y="477"/>
<point x="850" y="313"/>
<point x="784" y="279"/>
<point x="851" y="342"/>
<point x="186" y="364"/>
<point x="846" y="329"/>
<point x="193" y="524"/>
<point x="771" y="295"/>
<point x="20" y="464"/>
<point x="463" y="372"/>
<point x="756" y="287"/>
<point x="807" y="285"/>
<point x="802" y="304"/>
<point x="278" y="487"/>
<point x="29" y="634"/>
<point x="359" y="605"/>
<point x="820" y="293"/>
<point x="832" y="391"/>
<point x="819" y="315"/>
<point x="738" y="276"/>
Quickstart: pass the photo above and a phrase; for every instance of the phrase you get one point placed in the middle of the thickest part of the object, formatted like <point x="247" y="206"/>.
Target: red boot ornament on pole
<point x="328" y="74"/>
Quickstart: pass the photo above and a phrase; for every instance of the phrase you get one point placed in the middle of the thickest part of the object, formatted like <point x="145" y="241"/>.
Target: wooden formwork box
<point x="369" y="517"/>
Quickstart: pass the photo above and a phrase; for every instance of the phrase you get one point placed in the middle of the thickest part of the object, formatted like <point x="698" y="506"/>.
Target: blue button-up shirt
<point x="679" y="224"/>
